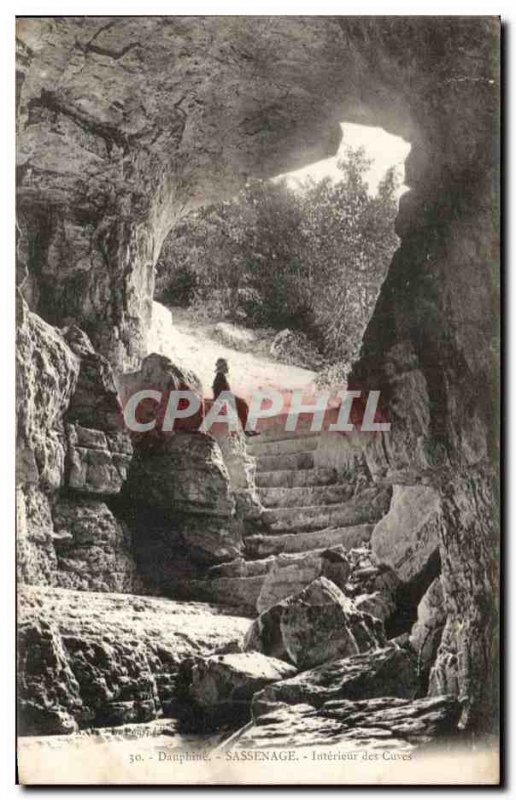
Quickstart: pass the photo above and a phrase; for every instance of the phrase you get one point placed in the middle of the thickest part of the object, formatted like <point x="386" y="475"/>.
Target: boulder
<point x="291" y="573"/>
<point x="182" y="505"/>
<point x="160" y="373"/>
<point x="183" y="473"/>
<point x="239" y="593"/>
<point x="105" y="659"/>
<point x="407" y="538"/>
<point x="316" y="625"/>
<point x="241" y="470"/>
<point x="387" y="672"/>
<point x="378" y="604"/>
<point x="222" y="686"/>
<point x="373" y="587"/>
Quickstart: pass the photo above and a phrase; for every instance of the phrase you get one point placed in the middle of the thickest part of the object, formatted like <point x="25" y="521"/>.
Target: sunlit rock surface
<point x="407" y="537"/>
<point x="316" y="625"/>
<point x="100" y="659"/>
<point x="387" y="672"/>
<point x="291" y="573"/>
<point x="220" y="688"/>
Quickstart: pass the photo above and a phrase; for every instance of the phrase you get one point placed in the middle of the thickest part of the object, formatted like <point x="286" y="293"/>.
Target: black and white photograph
<point x="258" y="366"/>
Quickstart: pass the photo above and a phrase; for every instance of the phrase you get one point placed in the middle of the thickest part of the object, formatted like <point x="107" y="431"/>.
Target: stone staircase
<point x="314" y="504"/>
<point x="306" y="508"/>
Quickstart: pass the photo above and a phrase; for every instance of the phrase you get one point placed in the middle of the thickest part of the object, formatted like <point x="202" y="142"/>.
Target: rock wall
<point x="66" y="533"/>
<point x="126" y="123"/>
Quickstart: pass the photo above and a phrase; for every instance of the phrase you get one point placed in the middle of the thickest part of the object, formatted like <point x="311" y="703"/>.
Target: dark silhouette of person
<point x="221" y="384"/>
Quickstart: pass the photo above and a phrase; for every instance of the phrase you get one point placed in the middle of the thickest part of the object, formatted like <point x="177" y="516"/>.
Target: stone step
<point x="319" y="476"/>
<point x="258" y="447"/>
<point x="368" y="507"/>
<point x="289" y="496"/>
<point x="279" y="434"/>
<point x="282" y="461"/>
<point x="262" y="546"/>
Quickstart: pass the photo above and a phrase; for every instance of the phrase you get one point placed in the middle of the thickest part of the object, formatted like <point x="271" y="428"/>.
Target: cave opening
<point x="287" y="271"/>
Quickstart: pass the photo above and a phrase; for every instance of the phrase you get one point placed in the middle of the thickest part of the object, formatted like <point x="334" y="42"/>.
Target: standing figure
<point x="221" y="384"/>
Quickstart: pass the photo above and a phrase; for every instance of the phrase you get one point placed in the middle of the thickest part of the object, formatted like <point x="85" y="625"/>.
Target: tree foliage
<point x="311" y="260"/>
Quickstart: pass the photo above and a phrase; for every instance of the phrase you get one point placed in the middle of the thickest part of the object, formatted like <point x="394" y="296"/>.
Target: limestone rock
<point x="374" y="588"/>
<point x="95" y="402"/>
<point x="107" y="659"/>
<point x="291" y="573"/>
<point x="367" y="577"/>
<point x="46" y="378"/>
<point x="98" y="461"/>
<point x="184" y="472"/>
<point x="222" y="686"/>
<point x="36" y="559"/>
<point x="316" y="625"/>
<point x="241" y="470"/>
<point x="388" y="672"/>
<point x="239" y="593"/>
<point x="384" y="723"/>
<point x="408" y="536"/>
<point x="49" y="695"/>
<point x="249" y="584"/>
<point x="182" y="505"/>
<point x="377" y="604"/>
<point x="93" y="548"/>
<point x="350" y="537"/>
<point x="426" y="633"/>
<point x="160" y="373"/>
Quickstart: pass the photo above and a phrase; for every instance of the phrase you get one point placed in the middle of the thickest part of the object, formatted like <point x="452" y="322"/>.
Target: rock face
<point x="408" y="536"/>
<point x="104" y="659"/>
<point x="71" y="452"/>
<point x="388" y="723"/>
<point x="314" y="626"/>
<point x="126" y="123"/>
<point x="97" y="460"/>
<point x="426" y="634"/>
<point x="290" y="574"/>
<point x="178" y="490"/>
<point x="221" y="687"/>
<point x="93" y="548"/>
<point x="46" y="378"/>
<point x="388" y="672"/>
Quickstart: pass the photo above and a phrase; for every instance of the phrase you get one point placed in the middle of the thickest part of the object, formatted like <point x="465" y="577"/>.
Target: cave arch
<point x="127" y="123"/>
